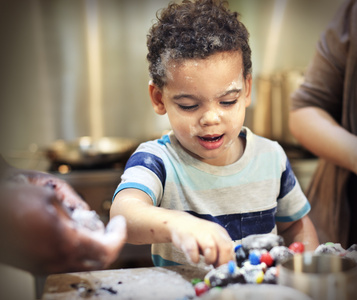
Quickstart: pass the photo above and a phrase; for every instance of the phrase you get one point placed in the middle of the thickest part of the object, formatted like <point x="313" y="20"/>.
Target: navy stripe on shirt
<point x="239" y="226"/>
<point x="287" y="181"/>
<point x="150" y="161"/>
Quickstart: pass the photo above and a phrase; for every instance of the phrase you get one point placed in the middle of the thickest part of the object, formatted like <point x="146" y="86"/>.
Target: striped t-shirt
<point x="246" y="197"/>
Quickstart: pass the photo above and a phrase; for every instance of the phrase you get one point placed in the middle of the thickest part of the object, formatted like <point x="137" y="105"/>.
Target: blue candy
<point x="231" y="266"/>
<point x="240" y="255"/>
<point x="237" y="247"/>
<point x="254" y="258"/>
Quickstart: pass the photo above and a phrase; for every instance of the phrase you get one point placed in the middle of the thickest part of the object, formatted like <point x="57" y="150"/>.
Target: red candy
<point x="297" y="247"/>
<point x="201" y="288"/>
<point x="267" y="259"/>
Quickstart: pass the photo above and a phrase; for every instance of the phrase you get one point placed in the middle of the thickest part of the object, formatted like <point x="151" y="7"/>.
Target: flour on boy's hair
<point x="214" y="41"/>
<point x="237" y="84"/>
<point x="167" y="59"/>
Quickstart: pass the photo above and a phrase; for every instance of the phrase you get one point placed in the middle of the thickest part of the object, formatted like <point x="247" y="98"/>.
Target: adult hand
<point x="38" y="233"/>
<point x="63" y="191"/>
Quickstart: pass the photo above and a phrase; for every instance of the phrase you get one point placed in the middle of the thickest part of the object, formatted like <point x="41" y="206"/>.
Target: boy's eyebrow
<point x="189" y="96"/>
<point x="193" y="97"/>
<point x="181" y="96"/>
<point x="230" y="92"/>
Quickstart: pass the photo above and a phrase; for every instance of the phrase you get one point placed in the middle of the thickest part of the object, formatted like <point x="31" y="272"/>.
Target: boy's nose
<point x="210" y="117"/>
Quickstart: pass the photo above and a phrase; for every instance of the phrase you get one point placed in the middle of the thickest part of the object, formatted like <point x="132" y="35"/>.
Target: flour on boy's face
<point x="205" y="100"/>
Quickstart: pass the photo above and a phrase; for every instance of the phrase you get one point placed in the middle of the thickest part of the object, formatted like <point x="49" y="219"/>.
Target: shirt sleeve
<point x="292" y="202"/>
<point x="324" y="78"/>
<point x="144" y="171"/>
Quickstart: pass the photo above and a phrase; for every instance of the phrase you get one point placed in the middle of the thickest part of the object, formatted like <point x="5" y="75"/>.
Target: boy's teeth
<point x="210" y="139"/>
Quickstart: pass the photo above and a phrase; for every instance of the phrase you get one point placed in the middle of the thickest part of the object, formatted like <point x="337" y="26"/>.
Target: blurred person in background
<point x="323" y="119"/>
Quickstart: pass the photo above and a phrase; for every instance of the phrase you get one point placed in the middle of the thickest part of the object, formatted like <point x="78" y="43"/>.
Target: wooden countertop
<point x="140" y="283"/>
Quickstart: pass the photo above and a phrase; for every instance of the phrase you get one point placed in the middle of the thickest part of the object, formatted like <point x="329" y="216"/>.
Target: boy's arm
<point x="301" y="230"/>
<point x="148" y="224"/>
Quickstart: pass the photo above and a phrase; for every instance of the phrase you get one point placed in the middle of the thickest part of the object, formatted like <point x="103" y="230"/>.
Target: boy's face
<point x="205" y="100"/>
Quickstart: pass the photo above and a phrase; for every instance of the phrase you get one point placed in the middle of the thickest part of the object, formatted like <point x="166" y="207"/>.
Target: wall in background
<point x="73" y="68"/>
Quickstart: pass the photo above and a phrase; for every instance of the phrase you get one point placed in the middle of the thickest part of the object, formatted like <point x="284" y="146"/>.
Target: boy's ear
<point x="156" y="99"/>
<point x="248" y="90"/>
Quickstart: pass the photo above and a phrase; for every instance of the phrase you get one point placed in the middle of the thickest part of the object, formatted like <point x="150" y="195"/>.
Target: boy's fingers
<point x="191" y="251"/>
<point x="208" y="248"/>
<point x="226" y="253"/>
<point x="210" y="254"/>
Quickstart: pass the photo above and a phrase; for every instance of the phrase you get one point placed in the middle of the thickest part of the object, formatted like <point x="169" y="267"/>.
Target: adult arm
<point x="318" y="131"/>
<point x="322" y="112"/>
<point x="301" y="230"/>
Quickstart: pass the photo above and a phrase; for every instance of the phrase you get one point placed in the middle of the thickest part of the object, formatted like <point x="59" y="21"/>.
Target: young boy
<point x="210" y="181"/>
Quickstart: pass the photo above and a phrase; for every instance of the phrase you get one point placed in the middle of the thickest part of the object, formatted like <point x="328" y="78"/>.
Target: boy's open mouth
<point x="211" y="138"/>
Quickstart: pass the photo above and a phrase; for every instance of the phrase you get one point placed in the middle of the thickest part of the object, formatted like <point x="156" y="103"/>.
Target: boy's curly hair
<point x="195" y="29"/>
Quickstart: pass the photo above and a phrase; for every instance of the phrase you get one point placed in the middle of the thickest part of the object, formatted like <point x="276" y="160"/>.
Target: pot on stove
<point x="87" y="152"/>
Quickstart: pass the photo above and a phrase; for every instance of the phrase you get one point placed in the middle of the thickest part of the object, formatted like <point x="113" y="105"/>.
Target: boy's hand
<point x="195" y="236"/>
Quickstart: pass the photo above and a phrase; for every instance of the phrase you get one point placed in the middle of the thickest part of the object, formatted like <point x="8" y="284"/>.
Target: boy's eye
<point x="187" y="107"/>
<point x="228" y="103"/>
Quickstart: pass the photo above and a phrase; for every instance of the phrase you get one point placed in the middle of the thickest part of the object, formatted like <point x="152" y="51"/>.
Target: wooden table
<point x="140" y="283"/>
<point x="154" y="283"/>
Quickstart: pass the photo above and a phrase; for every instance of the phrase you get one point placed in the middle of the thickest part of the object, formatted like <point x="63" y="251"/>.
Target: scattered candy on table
<point x="297" y="247"/>
<point x="201" y="288"/>
<point x="240" y="255"/>
<point x="256" y="261"/>
<point x="267" y="259"/>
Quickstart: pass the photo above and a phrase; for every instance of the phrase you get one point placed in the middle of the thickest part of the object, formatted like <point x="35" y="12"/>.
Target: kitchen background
<point x="75" y="68"/>
<point x="78" y="68"/>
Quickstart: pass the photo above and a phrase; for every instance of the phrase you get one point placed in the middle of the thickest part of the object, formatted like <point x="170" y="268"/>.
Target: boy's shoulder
<point x="260" y="143"/>
<point x="156" y="146"/>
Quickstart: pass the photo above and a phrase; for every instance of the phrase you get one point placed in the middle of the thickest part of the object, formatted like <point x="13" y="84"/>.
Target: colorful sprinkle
<point x="201" y="288"/>
<point x="297" y="247"/>
<point x="231" y="267"/>
<point x="237" y="247"/>
<point x="207" y="282"/>
<point x="267" y="259"/>
<point x="260" y="277"/>
<point x="194" y="281"/>
<point x="254" y="258"/>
